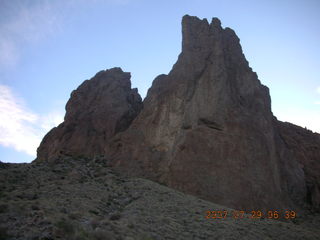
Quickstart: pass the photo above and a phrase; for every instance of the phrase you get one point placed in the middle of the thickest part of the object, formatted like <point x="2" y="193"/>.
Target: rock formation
<point x="207" y="128"/>
<point x="96" y="111"/>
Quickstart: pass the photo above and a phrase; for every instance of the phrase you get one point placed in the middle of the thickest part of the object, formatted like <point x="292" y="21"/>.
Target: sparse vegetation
<point x="35" y="207"/>
<point x="125" y="210"/>
<point x="81" y="234"/>
<point x="115" y="216"/>
<point x="3" y="208"/>
<point x="102" y="235"/>
<point x="64" y="228"/>
<point x="74" y="215"/>
<point x="93" y="211"/>
<point x="94" y="223"/>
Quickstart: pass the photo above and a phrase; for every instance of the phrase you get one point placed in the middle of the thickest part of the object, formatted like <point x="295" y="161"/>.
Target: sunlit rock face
<point x="207" y="128"/>
<point x="97" y="110"/>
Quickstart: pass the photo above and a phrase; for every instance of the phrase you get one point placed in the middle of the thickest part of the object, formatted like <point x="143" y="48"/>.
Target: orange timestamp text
<point x="254" y="214"/>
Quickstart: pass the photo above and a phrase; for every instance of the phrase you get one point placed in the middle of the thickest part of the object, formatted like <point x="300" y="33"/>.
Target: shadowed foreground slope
<point x="85" y="199"/>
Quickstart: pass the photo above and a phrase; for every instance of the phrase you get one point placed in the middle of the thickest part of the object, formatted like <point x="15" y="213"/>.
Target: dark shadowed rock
<point x="304" y="146"/>
<point x="207" y="128"/>
<point x="95" y="112"/>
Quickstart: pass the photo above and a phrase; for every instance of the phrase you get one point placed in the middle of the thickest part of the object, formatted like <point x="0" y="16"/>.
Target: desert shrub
<point x="131" y="225"/>
<point x="64" y="228"/>
<point x="94" y="223"/>
<point x="35" y="207"/>
<point x="115" y="216"/>
<point x="3" y="208"/>
<point x="68" y="230"/>
<point x="81" y="234"/>
<point x="94" y="211"/>
<point x="102" y="235"/>
<point x="146" y="237"/>
<point x="74" y="215"/>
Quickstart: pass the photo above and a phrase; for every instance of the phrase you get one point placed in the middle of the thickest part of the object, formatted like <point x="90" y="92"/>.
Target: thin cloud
<point x="25" y="22"/>
<point x="318" y="90"/>
<point x="20" y="128"/>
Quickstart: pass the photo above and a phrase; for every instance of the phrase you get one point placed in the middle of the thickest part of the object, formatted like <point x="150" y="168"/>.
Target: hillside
<point x="86" y="199"/>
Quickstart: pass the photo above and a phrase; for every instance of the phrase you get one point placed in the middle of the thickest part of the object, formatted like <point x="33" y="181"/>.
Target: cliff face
<point x="96" y="111"/>
<point x="207" y="128"/>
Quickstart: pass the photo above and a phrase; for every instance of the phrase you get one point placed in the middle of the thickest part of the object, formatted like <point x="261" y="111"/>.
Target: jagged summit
<point x="214" y="21"/>
<point x="115" y="70"/>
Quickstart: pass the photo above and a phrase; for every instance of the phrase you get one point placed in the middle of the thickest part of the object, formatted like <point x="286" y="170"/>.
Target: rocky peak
<point x="207" y="128"/>
<point x="215" y="22"/>
<point x="197" y="34"/>
<point x="97" y="110"/>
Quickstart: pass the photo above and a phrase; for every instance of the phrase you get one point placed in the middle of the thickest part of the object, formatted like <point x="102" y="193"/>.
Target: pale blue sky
<point x="48" y="48"/>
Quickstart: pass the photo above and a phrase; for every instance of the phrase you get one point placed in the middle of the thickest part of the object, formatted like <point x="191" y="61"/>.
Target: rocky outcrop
<point x="97" y="110"/>
<point x="207" y="128"/>
<point x="304" y="146"/>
